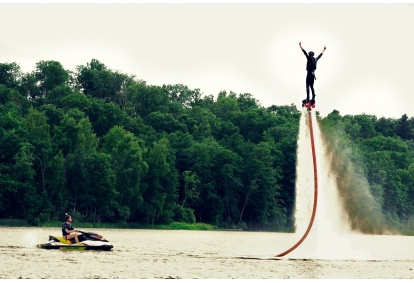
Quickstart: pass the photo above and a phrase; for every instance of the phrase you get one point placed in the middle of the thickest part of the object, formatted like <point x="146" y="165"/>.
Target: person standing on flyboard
<point x="310" y="68"/>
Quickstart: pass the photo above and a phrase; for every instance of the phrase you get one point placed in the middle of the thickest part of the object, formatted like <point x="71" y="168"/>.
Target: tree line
<point x="105" y="146"/>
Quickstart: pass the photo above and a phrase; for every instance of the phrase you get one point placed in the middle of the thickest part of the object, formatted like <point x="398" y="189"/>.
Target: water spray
<point x="315" y="195"/>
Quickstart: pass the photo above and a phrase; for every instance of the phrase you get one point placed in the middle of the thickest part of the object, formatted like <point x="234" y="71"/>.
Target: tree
<point x="29" y="87"/>
<point x="56" y="184"/>
<point x="126" y="152"/>
<point x="202" y="123"/>
<point x="182" y="94"/>
<point x="228" y="166"/>
<point x="284" y="137"/>
<point x="385" y="126"/>
<point x="12" y="137"/>
<point x="10" y="74"/>
<point x="226" y="106"/>
<point x="253" y="122"/>
<point x="148" y="99"/>
<point x="50" y="74"/>
<point x="91" y="79"/>
<point x="191" y="183"/>
<point x="39" y="137"/>
<point x="263" y="200"/>
<point x="25" y="187"/>
<point x="217" y="170"/>
<point x="164" y="122"/>
<point x="404" y="129"/>
<point x="78" y="162"/>
<point x="246" y="101"/>
<point x="367" y="125"/>
<point x="65" y="134"/>
<point x="161" y="195"/>
<point x="96" y="80"/>
<point x="103" y="204"/>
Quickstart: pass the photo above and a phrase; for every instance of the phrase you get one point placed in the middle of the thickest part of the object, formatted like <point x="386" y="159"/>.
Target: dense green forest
<point x="104" y="146"/>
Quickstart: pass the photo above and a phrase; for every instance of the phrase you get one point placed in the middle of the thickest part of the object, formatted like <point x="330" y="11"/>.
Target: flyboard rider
<point x="310" y="68"/>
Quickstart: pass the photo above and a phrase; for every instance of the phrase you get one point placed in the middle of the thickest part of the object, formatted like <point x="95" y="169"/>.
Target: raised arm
<point x="303" y="50"/>
<point x="324" y="48"/>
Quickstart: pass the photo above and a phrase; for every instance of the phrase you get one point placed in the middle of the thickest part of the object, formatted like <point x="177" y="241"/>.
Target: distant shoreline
<point x="103" y="225"/>
<point x="171" y="226"/>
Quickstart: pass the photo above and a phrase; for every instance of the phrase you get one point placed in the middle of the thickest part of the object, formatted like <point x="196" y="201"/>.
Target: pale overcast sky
<point x="368" y="66"/>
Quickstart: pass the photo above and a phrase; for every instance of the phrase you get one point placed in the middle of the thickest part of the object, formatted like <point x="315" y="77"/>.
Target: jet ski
<point x="87" y="241"/>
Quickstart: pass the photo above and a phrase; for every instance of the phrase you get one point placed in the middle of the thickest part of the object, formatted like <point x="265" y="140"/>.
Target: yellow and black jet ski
<point x="87" y="241"/>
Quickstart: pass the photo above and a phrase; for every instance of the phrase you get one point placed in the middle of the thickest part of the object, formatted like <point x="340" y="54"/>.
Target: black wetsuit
<point x="310" y="76"/>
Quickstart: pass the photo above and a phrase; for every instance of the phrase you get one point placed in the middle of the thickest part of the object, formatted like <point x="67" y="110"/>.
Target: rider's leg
<point x="313" y="92"/>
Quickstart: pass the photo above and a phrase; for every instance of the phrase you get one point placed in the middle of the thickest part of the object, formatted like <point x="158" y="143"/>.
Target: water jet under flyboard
<point x="329" y="235"/>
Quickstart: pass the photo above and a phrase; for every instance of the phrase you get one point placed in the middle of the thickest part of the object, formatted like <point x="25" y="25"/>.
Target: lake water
<point x="159" y="254"/>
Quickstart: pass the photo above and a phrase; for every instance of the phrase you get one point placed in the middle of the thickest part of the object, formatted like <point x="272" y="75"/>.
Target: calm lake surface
<point x="159" y="254"/>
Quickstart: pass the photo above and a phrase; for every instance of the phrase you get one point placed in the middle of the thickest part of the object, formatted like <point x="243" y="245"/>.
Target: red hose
<point x="315" y="196"/>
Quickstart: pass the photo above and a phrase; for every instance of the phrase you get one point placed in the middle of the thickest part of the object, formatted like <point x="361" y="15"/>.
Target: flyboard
<point x="308" y="104"/>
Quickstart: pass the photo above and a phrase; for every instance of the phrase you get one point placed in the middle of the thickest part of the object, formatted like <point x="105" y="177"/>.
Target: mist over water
<point x="331" y="235"/>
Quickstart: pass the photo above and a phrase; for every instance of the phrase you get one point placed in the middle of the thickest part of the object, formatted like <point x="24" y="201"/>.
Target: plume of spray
<point x="329" y="237"/>
<point x="364" y="213"/>
<point x="31" y="239"/>
<point x="304" y="177"/>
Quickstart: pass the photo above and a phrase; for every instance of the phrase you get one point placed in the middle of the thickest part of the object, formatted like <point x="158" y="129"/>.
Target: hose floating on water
<point x="315" y="196"/>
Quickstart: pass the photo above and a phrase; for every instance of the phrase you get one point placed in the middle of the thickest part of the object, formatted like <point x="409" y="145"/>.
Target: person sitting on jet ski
<point x="68" y="229"/>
